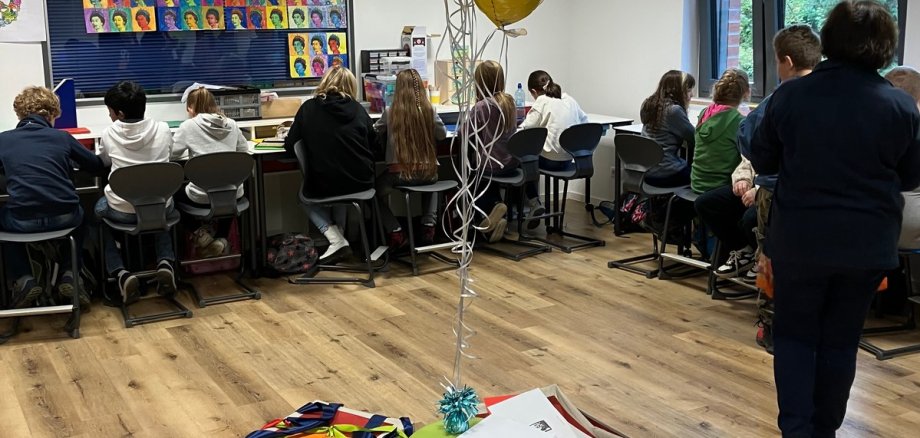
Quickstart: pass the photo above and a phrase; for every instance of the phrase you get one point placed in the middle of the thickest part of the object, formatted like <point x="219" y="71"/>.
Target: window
<point x="166" y="62"/>
<point x="739" y="33"/>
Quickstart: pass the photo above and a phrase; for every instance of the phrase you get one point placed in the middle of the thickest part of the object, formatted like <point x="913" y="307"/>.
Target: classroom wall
<point x="912" y="37"/>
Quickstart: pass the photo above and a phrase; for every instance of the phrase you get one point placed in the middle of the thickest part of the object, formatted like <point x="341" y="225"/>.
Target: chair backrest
<point x="637" y="155"/>
<point x="220" y="175"/>
<point x="580" y="141"/>
<point x="526" y="146"/>
<point x="147" y="187"/>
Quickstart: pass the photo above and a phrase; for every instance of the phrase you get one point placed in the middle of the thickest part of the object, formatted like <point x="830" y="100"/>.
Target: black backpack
<point x="291" y="253"/>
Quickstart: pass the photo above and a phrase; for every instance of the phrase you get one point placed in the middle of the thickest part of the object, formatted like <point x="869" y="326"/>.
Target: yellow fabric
<point x="505" y="12"/>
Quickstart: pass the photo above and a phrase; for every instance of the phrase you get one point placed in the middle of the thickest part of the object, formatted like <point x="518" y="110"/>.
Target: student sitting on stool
<point x="555" y="111"/>
<point x="412" y="127"/>
<point x="36" y="161"/>
<point x="206" y="131"/>
<point x="131" y="140"/>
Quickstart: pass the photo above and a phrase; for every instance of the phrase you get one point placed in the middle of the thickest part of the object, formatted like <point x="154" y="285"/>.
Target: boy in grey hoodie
<point x="133" y="140"/>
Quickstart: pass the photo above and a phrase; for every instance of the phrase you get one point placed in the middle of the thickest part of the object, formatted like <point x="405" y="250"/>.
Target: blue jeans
<point x="113" y="261"/>
<point x="15" y="255"/>
<point x="324" y="217"/>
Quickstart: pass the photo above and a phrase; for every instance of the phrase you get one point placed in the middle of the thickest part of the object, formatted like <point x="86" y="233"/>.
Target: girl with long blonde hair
<point x="337" y="138"/>
<point x="412" y="128"/>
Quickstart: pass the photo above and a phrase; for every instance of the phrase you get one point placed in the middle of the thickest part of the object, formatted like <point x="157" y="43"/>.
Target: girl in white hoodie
<point x="206" y="131"/>
<point x="555" y="111"/>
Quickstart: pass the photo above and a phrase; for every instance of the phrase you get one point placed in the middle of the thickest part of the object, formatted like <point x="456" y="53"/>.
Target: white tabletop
<point x="634" y="128"/>
<point x="608" y="120"/>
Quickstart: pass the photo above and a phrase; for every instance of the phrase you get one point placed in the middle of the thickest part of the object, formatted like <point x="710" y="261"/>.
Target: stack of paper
<point x="525" y="415"/>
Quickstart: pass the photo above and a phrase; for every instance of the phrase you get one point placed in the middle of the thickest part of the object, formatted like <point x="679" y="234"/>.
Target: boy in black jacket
<point x="37" y="161"/>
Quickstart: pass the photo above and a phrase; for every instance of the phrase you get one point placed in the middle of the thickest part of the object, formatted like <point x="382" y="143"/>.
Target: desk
<point x="635" y="129"/>
<point x="608" y="122"/>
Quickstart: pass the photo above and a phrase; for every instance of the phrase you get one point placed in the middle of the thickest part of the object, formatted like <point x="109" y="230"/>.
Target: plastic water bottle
<point x="519" y="96"/>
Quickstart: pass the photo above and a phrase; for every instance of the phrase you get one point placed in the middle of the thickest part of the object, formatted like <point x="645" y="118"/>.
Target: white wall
<point x="21" y="65"/>
<point x="912" y="37"/>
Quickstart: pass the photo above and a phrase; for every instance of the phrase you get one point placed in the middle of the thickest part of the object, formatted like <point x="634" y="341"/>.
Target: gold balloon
<point x="505" y="12"/>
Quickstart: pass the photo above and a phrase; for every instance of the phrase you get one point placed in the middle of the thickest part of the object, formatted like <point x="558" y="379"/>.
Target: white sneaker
<point x="738" y="262"/>
<point x="338" y="246"/>
<point x="750" y="276"/>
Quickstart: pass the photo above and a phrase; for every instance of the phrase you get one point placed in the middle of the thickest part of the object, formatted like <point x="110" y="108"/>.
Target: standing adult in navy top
<point x="845" y="144"/>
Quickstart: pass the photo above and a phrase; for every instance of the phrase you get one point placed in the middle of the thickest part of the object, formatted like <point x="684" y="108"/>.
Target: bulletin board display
<point x="312" y="53"/>
<point x="167" y="62"/>
<point x="118" y="16"/>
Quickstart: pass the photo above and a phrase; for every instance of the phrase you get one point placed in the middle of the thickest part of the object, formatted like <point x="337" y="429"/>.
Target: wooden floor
<point x="649" y="357"/>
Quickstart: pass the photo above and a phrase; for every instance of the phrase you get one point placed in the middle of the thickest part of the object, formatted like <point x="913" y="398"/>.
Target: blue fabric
<point x="746" y="136"/>
<point x="113" y="261"/>
<point x="843" y="160"/>
<point x="37" y="161"/>
<point x="313" y="415"/>
<point x="15" y="255"/>
<point x="324" y="217"/>
<point x="819" y="315"/>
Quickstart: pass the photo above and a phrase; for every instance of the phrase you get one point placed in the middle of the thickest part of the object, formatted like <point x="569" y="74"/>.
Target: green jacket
<point x="715" y="155"/>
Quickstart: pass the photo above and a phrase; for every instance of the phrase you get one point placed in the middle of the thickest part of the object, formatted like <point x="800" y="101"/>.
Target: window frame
<point x="768" y="18"/>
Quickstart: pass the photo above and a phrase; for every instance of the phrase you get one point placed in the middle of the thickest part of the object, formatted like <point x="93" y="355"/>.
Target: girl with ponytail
<point x="412" y="128"/>
<point x="555" y="111"/>
<point x="716" y="154"/>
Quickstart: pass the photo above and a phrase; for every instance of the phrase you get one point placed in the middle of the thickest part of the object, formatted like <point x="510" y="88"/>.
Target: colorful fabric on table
<point x="319" y="419"/>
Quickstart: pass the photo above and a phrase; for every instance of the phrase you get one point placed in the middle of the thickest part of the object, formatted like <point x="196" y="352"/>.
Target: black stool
<point x="579" y="141"/>
<point x="639" y="154"/>
<point x="73" y="324"/>
<point x="147" y="187"/>
<point x="435" y="189"/>
<point x="220" y="175"/>
<point x="357" y="200"/>
<point x="684" y="264"/>
<point x="525" y="146"/>
<point x="913" y="299"/>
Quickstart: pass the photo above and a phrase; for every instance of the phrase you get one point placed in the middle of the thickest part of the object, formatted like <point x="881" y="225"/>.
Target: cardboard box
<point x="447" y="80"/>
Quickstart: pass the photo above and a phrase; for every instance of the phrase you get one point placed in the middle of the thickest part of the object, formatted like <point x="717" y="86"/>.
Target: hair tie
<point x="418" y="100"/>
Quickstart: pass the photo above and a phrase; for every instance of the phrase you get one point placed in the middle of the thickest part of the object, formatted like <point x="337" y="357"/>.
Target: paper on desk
<point x="493" y="426"/>
<point x="532" y="408"/>
<point x="196" y="86"/>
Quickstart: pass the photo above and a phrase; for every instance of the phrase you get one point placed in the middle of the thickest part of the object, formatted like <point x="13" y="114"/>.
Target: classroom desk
<point x="635" y="129"/>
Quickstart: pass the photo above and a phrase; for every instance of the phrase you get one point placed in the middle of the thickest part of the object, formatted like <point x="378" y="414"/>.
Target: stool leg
<point x="412" y="255"/>
<point x="565" y="197"/>
<point x="546" y="201"/>
<point x="556" y="224"/>
<point x="73" y="325"/>
<point x="364" y="242"/>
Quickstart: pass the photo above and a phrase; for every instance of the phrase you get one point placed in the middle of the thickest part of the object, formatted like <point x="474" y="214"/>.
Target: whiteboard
<point x="28" y="69"/>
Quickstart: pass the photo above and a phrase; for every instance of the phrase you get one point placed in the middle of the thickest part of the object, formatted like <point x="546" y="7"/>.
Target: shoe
<point x="215" y="249"/>
<point x="536" y="210"/>
<point x="166" y="277"/>
<point x="338" y="246"/>
<point x="765" y="337"/>
<point x="428" y="234"/>
<point x="65" y="287"/>
<point x="397" y="239"/>
<point x="738" y="261"/>
<point x="203" y="237"/>
<point x="495" y="216"/>
<point x="750" y="276"/>
<point x="498" y="231"/>
<point x="130" y="287"/>
<point x="25" y="292"/>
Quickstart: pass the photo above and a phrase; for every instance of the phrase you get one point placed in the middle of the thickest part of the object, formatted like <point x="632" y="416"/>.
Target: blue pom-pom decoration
<point x="458" y="407"/>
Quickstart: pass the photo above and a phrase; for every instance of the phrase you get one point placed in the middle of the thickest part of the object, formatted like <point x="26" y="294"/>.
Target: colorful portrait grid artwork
<point x="105" y="16"/>
<point x="312" y="53"/>
<point x="112" y="16"/>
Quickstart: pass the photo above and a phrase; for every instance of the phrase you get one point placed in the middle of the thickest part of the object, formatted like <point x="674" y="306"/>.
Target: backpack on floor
<point x="291" y="253"/>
